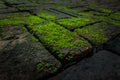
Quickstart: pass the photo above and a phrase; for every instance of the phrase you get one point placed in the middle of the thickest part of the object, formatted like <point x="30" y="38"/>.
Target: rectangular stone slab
<point x="22" y="56"/>
<point x="21" y="19"/>
<point x="73" y="23"/>
<point x="51" y="15"/>
<point x="65" y="45"/>
<point x="99" y="33"/>
<point x="2" y="6"/>
<point x="114" y="45"/>
<point x="8" y="10"/>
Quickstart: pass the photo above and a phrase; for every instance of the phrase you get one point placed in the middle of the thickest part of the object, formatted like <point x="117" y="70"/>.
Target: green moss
<point x="47" y="16"/>
<point x="59" y="38"/>
<point x="115" y="16"/>
<point x="46" y="67"/>
<point x="105" y="10"/>
<point x="96" y="36"/>
<point x="33" y="20"/>
<point x="64" y="8"/>
<point x="116" y="23"/>
<point x="19" y="20"/>
<point x="70" y="56"/>
<point x="86" y="14"/>
<point x="74" y="22"/>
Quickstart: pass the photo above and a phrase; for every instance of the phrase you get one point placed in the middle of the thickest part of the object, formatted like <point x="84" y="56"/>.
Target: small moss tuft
<point x="46" y="67"/>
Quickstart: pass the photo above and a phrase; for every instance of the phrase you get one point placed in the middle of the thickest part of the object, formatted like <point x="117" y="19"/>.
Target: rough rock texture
<point x="101" y="66"/>
<point x="40" y="39"/>
<point x="20" y="55"/>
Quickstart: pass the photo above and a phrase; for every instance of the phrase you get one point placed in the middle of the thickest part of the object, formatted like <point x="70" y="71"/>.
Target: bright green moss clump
<point x="93" y="34"/>
<point x="59" y="38"/>
<point x="46" y="67"/>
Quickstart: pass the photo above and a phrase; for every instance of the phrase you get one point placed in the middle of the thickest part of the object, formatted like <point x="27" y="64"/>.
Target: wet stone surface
<point x="59" y="40"/>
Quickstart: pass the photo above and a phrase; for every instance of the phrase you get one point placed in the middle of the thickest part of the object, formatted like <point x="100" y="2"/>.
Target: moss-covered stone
<point x="18" y="19"/>
<point x="99" y="33"/>
<point x="60" y="41"/>
<point x="47" y="16"/>
<point x="73" y="23"/>
<point x="115" y="16"/>
<point x="27" y="53"/>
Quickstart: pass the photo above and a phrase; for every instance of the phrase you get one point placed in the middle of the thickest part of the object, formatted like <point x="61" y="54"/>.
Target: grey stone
<point x="103" y="65"/>
<point x="114" y="45"/>
<point x="22" y="57"/>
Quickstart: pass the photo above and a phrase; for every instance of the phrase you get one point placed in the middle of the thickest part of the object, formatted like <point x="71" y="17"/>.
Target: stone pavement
<point x="59" y="40"/>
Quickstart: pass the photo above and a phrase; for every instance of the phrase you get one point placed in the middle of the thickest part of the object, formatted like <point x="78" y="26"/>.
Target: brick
<point x="67" y="46"/>
<point x="28" y="59"/>
<point x="99" y="33"/>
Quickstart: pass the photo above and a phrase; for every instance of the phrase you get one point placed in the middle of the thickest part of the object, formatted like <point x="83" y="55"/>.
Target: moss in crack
<point x="46" y="67"/>
<point x="75" y="22"/>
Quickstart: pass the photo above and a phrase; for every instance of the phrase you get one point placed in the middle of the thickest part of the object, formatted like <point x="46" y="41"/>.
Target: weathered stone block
<point x="103" y="65"/>
<point x="99" y="33"/>
<point x="22" y="57"/>
<point x="65" y="45"/>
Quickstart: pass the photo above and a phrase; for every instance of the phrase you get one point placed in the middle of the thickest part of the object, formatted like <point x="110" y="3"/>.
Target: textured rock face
<point x="20" y="56"/>
<point x="102" y="65"/>
<point x="41" y="38"/>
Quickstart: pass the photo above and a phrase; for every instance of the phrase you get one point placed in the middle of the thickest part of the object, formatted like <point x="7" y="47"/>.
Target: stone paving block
<point x="65" y="45"/>
<point x="8" y="15"/>
<point x="115" y="16"/>
<point x="22" y="57"/>
<point x="73" y="23"/>
<point x="51" y="15"/>
<point x="103" y="65"/>
<point x="99" y="33"/>
<point x="8" y="10"/>
<point x="114" y="45"/>
<point x="1" y="2"/>
<point x="65" y="11"/>
<point x="21" y="19"/>
<point x="17" y="1"/>
<point x="2" y="6"/>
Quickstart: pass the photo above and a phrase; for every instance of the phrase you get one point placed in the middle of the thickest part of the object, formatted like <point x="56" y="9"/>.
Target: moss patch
<point x="46" y="67"/>
<point x="93" y="34"/>
<point x="18" y="20"/>
<point x="73" y="23"/>
<point x="47" y="16"/>
<point x="59" y="38"/>
<point x="116" y="16"/>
